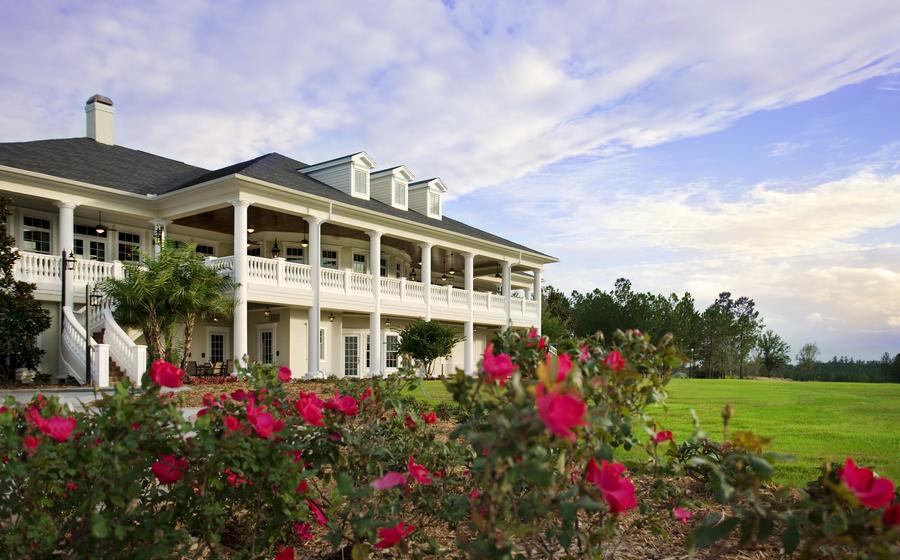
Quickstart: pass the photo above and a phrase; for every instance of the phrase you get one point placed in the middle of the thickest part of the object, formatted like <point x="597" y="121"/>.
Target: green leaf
<point x="537" y="475"/>
<point x="709" y="534"/>
<point x="344" y="484"/>
<point x="791" y="537"/>
<point x="98" y="526"/>
<point x="762" y="467"/>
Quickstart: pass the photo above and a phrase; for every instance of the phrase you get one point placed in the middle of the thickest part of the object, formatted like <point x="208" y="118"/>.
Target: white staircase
<point x="130" y="357"/>
<point x="73" y="352"/>
<point x="127" y="357"/>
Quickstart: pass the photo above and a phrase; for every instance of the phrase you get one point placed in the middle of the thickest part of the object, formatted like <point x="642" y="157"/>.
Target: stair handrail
<point x="130" y="356"/>
<point x="72" y="350"/>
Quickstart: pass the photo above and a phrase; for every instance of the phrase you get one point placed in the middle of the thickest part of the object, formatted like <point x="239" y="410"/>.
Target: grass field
<point x="812" y="421"/>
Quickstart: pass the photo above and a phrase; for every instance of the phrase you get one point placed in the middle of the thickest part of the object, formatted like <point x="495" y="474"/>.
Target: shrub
<point x="530" y="470"/>
<point x="426" y="341"/>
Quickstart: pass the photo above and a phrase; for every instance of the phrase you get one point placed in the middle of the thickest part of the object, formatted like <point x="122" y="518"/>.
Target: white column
<point x="375" y="317"/>
<point x="162" y="225"/>
<point x="239" y="345"/>
<point x="67" y="243"/>
<point x="538" y="297"/>
<point x="469" y="360"/>
<point x="315" y="310"/>
<point x="426" y="277"/>
<point x="507" y="303"/>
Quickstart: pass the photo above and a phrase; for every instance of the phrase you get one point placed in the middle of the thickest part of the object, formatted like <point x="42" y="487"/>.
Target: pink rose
<point x="418" y="472"/>
<point x="345" y="404"/>
<point x="169" y="469"/>
<point x="497" y="368"/>
<point x="614" y="361"/>
<point x="57" y="427"/>
<point x="683" y="515"/>
<point x="560" y="412"/>
<point x="165" y="374"/>
<point x="874" y="493"/>
<point x="284" y="374"/>
<point x="390" y="536"/>
<point x="663" y="435"/>
<point x="310" y="407"/>
<point x="617" y="491"/>
<point x="389" y="480"/>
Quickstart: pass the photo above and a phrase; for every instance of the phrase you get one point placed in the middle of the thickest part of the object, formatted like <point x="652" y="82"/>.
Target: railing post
<point x="347" y="273"/>
<point x="402" y="289"/>
<point x="449" y="296"/>
<point x="279" y="271"/>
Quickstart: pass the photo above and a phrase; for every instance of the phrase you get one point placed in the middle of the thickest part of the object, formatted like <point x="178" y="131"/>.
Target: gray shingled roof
<point x="134" y="171"/>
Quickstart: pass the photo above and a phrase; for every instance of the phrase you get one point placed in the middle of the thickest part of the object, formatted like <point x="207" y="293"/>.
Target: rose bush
<point x="531" y="466"/>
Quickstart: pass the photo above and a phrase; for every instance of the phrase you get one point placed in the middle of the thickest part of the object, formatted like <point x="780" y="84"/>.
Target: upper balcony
<point x="277" y="281"/>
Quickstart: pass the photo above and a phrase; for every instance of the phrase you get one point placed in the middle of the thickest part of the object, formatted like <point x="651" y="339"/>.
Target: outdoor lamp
<point x="70" y="262"/>
<point x="267" y="312"/>
<point x="412" y="275"/>
<point x="158" y="235"/>
<point x="276" y="251"/>
<point x="498" y="275"/>
<point x="304" y="243"/>
<point x="387" y="322"/>
<point x="250" y="229"/>
<point x="100" y="228"/>
<point x="451" y="271"/>
<point x="96" y="297"/>
<point x="331" y="318"/>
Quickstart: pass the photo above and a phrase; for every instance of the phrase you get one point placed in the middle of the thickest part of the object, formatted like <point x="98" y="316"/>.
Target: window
<point x="329" y="258"/>
<point x="368" y="351"/>
<point x="399" y="270"/>
<point x="351" y="355"/>
<point x="96" y="249"/>
<point x="322" y="345"/>
<point x="266" y="346"/>
<point x="392" y="350"/>
<point x="216" y="348"/>
<point x="434" y="204"/>
<point x="205" y="250"/>
<point x="360" y="181"/>
<point x="36" y="234"/>
<point x="294" y="255"/>
<point x="129" y="243"/>
<point x="359" y="263"/>
<point x="399" y="193"/>
<point x="384" y="267"/>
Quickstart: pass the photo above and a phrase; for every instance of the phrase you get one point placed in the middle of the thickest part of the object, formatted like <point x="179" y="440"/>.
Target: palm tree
<point x="161" y="292"/>
<point x="198" y="293"/>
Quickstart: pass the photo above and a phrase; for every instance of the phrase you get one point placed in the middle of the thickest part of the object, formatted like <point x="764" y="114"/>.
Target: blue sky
<point x="714" y="147"/>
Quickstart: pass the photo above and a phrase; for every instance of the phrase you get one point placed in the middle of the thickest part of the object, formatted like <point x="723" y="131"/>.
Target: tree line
<point x="728" y="338"/>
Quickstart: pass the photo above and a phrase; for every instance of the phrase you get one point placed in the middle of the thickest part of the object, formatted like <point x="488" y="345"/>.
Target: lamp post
<point x="691" y="364"/>
<point x="67" y="263"/>
<point x="91" y="299"/>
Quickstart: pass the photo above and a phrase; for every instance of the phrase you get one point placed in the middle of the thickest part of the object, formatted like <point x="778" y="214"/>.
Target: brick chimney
<point x="100" y="119"/>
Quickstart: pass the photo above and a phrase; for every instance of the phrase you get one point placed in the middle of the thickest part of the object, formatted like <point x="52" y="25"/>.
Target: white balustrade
<point x="332" y="280"/>
<point x="73" y="352"/>
<point x="496" y="302"/>
<point x="361" y="284"/>
<point x="91" y="272"/>
<point x="36" y="268"/>
<point x="297" y="275"/>
<point x="415" y="292"/>
<point x="439" y="295"/>
<point x="221" y="264"/>
<point x="131" y="357"/>
<point x="460" y="298"/>
<point x="390" y="288"/>
<point x="262" y="271"/>
<point x="530" y="308"/>
<point x="480" y="300"/>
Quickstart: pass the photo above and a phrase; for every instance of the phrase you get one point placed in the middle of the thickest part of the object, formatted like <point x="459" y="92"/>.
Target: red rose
<point x="683" y="515"/>
<point x="58" y="428"/>
<point x="429" y="417"/>
<point x="303" y="531"/>
<point x="71" y="486"/>
<point x="239" y="395"/>
<point x="366" y="394"/>
<point x="165" y="374"/>
<point x="209" y="399"/>
<point x="389" y="480"/>
<point x="418" y="472"/>
<point x="565" y="365"/>
<point x="345" y="404"/>
<point x="410" y="422"/>
<point x="285" y="553"/>
<point x="614" y="361"/>
<point x="891" y="517"/>
<point x="497" y="369"/>
<point x="263" y="422"/>
<point x="390" y="536"/>
<point x="169" y="469"/>
<point x="584" y="353"/>
<point x="302" y="487"/>
<point x="31" y="443"/>
<point x="663" y="435"/>
<point x="232" y="423"/>
<point x="317" y="512"/>
<point x="874" y="493"/>
<point x="560" y="412"/>
<point x="284" y="374"/>
<point x="310" y="407"/>
<point x="617" y="491"/>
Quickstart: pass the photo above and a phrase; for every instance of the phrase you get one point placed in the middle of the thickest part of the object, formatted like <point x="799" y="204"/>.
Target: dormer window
<point x="425" y="197"/>
<point x="360" y="182"/>
<point x="400" y="193"/>
<point x="434" y="204"/>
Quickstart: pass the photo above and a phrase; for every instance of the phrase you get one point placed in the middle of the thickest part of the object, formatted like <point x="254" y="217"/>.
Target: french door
<point x="352" y="354"/>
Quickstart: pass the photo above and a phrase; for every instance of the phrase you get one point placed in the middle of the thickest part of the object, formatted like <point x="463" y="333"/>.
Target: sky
<point x="695" y="146"/>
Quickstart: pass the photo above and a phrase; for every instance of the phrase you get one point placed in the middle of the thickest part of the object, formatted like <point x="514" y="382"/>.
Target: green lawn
<point x="812" y="421"/>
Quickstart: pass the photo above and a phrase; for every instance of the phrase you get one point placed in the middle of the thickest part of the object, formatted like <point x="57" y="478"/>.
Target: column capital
<point x="505" y="264"/>
<point x="160" y="222"/>
<point x="65" y="204"/>
<point x="426" y="244"/>
<point x="466" y="254"/>
<point x="313" y="220"/>
<point x="374" y="233"/>
<point x="240" y="203"/>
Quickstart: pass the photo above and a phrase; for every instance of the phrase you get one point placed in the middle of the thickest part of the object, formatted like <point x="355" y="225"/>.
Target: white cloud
<point x="477" y="94"/>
